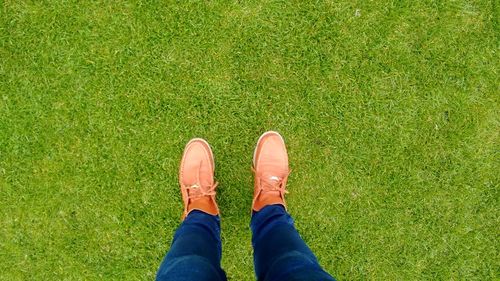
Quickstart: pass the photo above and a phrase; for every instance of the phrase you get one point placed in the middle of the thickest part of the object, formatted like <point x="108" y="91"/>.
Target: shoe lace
<point x="273" y="183"/>
<point x="195" y="191"/>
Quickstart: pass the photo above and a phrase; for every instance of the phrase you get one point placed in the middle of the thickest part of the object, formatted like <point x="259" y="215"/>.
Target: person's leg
<point x="195" y="253"/>
<point x="279" y="251"/>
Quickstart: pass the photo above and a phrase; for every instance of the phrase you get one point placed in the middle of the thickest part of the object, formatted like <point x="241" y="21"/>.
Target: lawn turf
<point x="390" y="110"/>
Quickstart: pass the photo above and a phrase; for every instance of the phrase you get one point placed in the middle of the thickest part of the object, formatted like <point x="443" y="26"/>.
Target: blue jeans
<point x="279" y="251"/>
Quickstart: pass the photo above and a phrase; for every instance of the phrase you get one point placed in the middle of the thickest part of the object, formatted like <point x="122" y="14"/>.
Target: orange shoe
<point x="270" y="165"/>
<point x="196" y="177"/>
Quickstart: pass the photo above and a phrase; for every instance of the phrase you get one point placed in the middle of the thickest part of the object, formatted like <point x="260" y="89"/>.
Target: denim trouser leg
<point x="195" y="253"/>
<point x="279" y="251"/>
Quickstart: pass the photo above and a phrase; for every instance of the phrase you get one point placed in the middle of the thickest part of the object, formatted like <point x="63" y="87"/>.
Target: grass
<point x="390" y="110"/>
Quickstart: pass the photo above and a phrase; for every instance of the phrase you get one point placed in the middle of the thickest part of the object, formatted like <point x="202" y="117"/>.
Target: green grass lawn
<point x="390" y="110"/>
